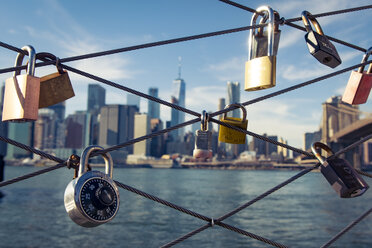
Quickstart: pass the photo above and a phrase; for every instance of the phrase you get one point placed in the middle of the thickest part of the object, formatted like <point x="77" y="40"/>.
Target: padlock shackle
<point x="270" y="29"/>
<point x="318" y="145"/>
<point x="204" y="121"/>
<point x="85" y="158"/>
<point x="365" y="58"/>
<point x="45" y="55"/>
<point x="237" y="105"/>
<point x="31" y="61"/>
<point x="307" y="19"/>
<point x="264" y="20"/>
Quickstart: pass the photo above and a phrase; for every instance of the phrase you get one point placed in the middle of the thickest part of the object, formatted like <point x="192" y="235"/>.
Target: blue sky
<point x="68" y="28"/>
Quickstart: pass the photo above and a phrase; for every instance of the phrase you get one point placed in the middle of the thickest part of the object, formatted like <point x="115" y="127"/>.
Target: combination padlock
<point x="260" y="40"/>
<point x="92" y="198"/>
<point x="56" y="87"/>
<point x="319" y="45"/>
<point x="359" y="84"/>
<point x="21" y="97"/>
<point x="260" y="72"/>
<point x="229" y="135"/>
<point x="339" y="173"/>
<point x="203" y="140"/>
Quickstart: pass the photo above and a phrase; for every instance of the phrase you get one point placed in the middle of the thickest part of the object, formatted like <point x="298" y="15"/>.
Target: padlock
<point x="92" y="198"/>
<point x="260" y="40"/>
<point x="203" y="140"/>
<point x="339" y="173"/>
<point x="21" y="97"/>
<point x="359" y="84"/>
<point x="229" y="135"/>
<point x="260" y="72"/>
<point x="319" y="45"/>
<point x="56" y="87"/>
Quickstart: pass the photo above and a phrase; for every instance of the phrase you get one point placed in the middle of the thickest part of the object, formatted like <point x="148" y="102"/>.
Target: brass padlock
<point x="359" y="84"/>
<point x="339" y="173"/>
<point x="319" y="45"/>
<point x="21" y="97"/>
<point x="260" y="72"/>
<point x="260" y="40"/>
<point x="56" y="87"/>
<point x="229" y="135"/>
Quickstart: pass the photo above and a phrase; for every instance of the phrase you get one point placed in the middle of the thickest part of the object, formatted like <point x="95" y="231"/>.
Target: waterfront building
<point x="75" y="125"/>
<point x="3" y="126"/>
<point x="157" y="142"/>
<point x="233" y="96"/>
<point x="178" y="97"/>
<point x="262" y="147"/>
<point x="133" y="100"/>
<point x="22" y="133"/>
<point x="117" y="125"/>
<point x="59" y="109"/>
<point x="141" y="128"/>
<point x="153" y="108"/>
<point x="96" y="98"/>
<point x="310" y="138"/>
<point x="45" y="129"/>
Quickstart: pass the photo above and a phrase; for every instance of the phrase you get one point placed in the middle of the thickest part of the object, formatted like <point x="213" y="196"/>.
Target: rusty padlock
<point x="229" y="135"/>
<point x="21" y="97"/>
<point x="359" y="84"/>
<point x="260" y="72"/>
<point x="56" y="87"/>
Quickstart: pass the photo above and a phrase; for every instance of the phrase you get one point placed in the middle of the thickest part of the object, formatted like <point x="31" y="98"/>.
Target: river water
<point x="306" y="213"/>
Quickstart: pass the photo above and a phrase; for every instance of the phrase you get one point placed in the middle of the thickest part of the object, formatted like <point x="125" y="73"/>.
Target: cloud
<point x="292" y="72"/>
<point x="231" y="69"/>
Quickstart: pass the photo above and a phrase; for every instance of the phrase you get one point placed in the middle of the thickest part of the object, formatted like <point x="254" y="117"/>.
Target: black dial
<point x="98" y="199"/>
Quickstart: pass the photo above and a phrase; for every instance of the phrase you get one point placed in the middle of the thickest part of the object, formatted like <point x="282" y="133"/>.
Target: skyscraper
<point x="141" y="128"/>
<point x="153" y="109"/>
<point x="233" y="96"/>
<point x="133" y="100"/>
<point x="96" y="98"/>
<point x="116" y="125"/>
<point x="178" y="97"/>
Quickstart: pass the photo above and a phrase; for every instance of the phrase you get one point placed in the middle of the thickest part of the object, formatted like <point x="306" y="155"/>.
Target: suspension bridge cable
<point x="289" y="21"/>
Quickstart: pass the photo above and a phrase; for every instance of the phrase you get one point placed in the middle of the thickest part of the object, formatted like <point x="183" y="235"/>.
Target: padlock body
<point x="84" y="202"/>
<point x="203" y="145"/>
<point x="260" y="73"/>
<point x="55" y="88"/>
<point x="343" y="178"/>
<point x="21" y="98"/>
<point x="358" y="88"/>
<point x="232" y="136"/>
<point x="260" y="44"/>
<point x="322" y="49"/>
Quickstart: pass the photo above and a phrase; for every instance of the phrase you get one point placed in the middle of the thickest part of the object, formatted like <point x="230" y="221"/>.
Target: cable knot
<point x="212" y="222"/>
<point x="73" y="162"/>
<point x="282" y="21"/>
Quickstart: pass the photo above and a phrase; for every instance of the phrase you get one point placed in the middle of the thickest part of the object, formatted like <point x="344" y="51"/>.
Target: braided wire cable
<point x="289" y="21"/>
<point x="347" y="228"/>
<point x="291" y="88"/>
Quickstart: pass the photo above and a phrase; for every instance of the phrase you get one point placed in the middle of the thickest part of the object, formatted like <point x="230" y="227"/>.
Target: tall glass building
<point x="153" y="108"/>
<point x="96" y="98"/>
<point x="178" y="97"/>
<point x="233" y="96"/>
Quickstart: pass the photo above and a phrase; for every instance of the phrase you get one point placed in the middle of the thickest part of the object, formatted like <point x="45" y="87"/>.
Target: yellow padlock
<point x="229" y="135"/>
<point x="260" y="72"/>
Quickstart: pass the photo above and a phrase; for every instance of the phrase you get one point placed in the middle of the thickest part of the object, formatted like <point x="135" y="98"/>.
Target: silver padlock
<point x="203" y="140"/>
<point x="92" y="198"/>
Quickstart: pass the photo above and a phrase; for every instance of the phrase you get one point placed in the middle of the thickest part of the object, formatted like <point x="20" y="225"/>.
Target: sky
<point x="68" y="28"/>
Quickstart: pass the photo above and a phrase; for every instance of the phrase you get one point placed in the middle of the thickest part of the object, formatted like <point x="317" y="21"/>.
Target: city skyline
<point x="207" y="63"/>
